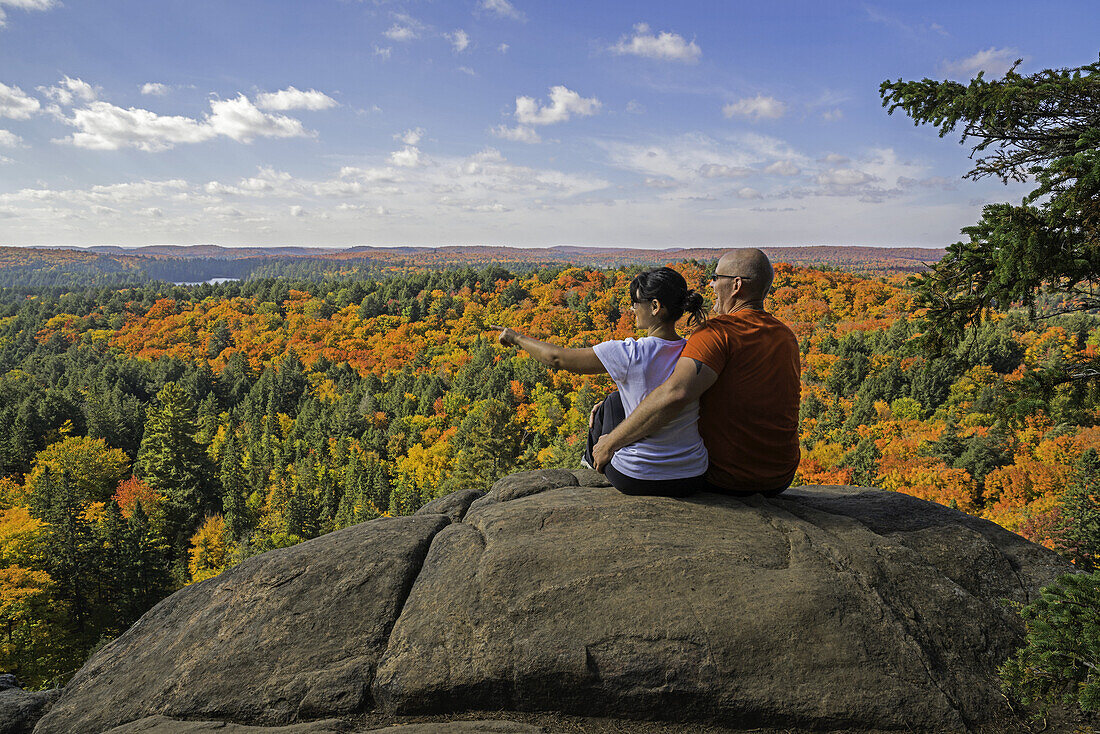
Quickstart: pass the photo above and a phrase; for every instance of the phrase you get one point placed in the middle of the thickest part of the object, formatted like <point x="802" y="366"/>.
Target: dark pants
<point x="611" y="414"/>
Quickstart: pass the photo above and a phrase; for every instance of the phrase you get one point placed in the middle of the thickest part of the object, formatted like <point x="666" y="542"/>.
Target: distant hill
<point x="111" y="264"/>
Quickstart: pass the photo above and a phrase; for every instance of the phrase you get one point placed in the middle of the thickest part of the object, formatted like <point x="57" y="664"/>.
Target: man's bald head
<point x="753" y="266"/>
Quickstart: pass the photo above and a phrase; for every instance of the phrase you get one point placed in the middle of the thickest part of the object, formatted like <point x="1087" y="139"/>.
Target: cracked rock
<point x="827" y="609"/>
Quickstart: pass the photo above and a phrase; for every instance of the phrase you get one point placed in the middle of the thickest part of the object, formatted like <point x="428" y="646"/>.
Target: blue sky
<point x="497" y="122"/>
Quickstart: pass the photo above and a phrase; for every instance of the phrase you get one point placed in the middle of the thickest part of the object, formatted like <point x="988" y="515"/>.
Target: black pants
<point x="611" y="414"/>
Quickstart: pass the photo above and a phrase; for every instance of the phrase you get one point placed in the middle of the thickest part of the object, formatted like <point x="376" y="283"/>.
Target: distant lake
<point x="212" y="281"/>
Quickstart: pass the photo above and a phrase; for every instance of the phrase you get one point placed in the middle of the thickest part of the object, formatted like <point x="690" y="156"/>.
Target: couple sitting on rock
<point x="716" y="412"/>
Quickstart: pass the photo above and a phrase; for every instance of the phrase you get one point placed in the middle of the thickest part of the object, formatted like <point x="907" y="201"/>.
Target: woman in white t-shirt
<point x="673" y="460"/>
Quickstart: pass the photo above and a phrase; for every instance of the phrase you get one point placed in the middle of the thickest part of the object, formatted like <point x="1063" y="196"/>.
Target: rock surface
<point x="291" y="634"/>
<point x="165" y="725"/>
<point x="19" y="709"/>
<point x="827" y="608"/>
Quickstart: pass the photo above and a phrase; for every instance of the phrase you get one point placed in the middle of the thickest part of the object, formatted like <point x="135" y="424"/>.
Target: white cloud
<point x="70" y="91"/>
<point x="297" y="211"/>
<point x="717" y="170"/>
<point x="832" y="115"/>
<point x="783" y="168"/>
<point x="563" y="104"/>
<point x="501" y="8"/>
<point x="17" y="104"/>
<point x="466" y="70"/>
<point x="665" y="46"/>
<point x="24" y="5"/>
<point x="460" y="39"/>
<point x="696" y="157"/>
<point x="401" y="33"/>
<point x="103" y="126"/>
<point x="383" y="51"/>
<point x="748" y="193"/>
<point x="503" y="48"/>
<point x="756" y="108"/>
<point x="294" y="99"/>
<point x="4" y="160"/>
<point x="993" y="61"/>
<point x="408" y="157"/>
<point x="9" y="139"/>
<point x="635" y="107"/>
<point x="155" y="88"/>
<point x="843" y="177"/>
<point x="240" y="120"/>
<point x="518" y="134"/>
<point x="411" y="137"/>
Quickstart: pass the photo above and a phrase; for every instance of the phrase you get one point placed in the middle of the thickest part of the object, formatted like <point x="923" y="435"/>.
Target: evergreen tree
<point x="238" y="520"/>
<point x="70" y="549"/>
<point x="172" y="462"/>
<point x="1080" y="514"/>
<point x="1044" y="127"/>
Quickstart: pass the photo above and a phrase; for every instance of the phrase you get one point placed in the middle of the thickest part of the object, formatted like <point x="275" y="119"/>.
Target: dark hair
<point x="670" y="288"/>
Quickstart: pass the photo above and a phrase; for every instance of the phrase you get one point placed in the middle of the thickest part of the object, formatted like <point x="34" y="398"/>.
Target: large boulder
<point x="827" y="608"/>
<point x="19" y="709"/>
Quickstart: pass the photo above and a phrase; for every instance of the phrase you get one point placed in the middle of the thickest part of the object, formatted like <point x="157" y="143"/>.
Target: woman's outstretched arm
<point x="579" y="361"/>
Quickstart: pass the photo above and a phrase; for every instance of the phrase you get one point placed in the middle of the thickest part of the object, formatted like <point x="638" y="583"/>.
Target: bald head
<point x="753" y="266"/>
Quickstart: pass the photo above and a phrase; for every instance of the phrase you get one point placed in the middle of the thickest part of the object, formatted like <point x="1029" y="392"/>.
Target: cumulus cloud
<point x="747" y="193"/>
<point x="783" y="168"/>
<point x="70" y="91"/>
<point x="240" y="120"/>
<point x="756" y="108"/>
<point x="460" y="39"/>
<point x="103" y="126"/>
<point x="294" y="99"/>
<point x="24" y="5"/>
<point x="155" y="88"/>
<point x="993" y="61"/>
<point x="408" y="157"/>
<point x="717" y="170"/>
<point x="501" y="8"/>
<point x="383" y="51"/>
<point x="665" y="46"/>
<point x="564" y="103"/>
<point x="694" y="158"/>
<point x="412" y="136"/>
<point x="517" y="134"/>
<point x="405" y="28"/>
<point x="17" y="104"/>
<point x="9" y="139"/>
<point x="843" y="177"/>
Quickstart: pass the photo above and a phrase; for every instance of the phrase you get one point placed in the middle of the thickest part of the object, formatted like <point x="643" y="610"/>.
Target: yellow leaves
<point x="1054" y="344"/>
<point x="20" y="588"/>
<point x="94" y="468"/>
<point x="210" y="547"/>
<point x="18" y="531"/>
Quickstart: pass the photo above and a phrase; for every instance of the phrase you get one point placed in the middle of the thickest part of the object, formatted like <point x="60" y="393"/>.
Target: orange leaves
<point x="133" y="490"/>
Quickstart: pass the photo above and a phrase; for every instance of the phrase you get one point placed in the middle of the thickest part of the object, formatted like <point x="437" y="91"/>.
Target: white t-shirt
<point x="638" y="366"/>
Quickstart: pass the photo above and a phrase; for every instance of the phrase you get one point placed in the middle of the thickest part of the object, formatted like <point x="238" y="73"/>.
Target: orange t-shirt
<point x="749" y="417"/>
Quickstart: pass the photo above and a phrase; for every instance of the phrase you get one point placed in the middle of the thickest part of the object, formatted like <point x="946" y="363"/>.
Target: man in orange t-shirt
<point x="743" y="367"/>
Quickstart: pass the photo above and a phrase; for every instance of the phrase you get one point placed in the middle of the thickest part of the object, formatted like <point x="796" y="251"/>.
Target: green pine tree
<point x="173" y="462"/>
